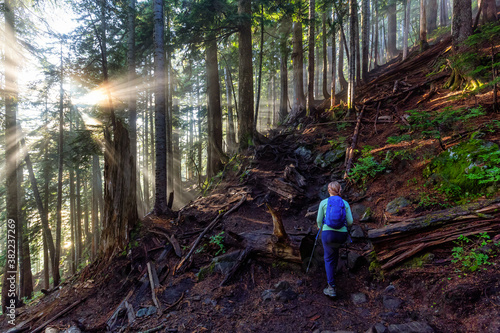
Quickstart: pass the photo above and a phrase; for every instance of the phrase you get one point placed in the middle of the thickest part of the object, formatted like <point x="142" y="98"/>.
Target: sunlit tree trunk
<point x="169" y="111"/>
<point x="160" y="206"/>
<point x="46" y="175"/>
<point x="245" y="86"/>
<point x="365" y="40"/>
<point x="95" y="206"/>
<point x="145" y="174"/>
<point x="310" y="60"/>
<point x="356" y="44"/>
<point x="342" y="81"/>
<point x="214" y="118"/>
<point x="406" y="28"/>
<point x="78" y="220"/>
<point x="392" y="28"/>
<point x="299" y="101"/>
<point x="231" y="135"/>
<point x="423" y="27"/>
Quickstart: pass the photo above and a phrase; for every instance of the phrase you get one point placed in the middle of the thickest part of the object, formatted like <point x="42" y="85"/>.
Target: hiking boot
<point x="330" y="291"/>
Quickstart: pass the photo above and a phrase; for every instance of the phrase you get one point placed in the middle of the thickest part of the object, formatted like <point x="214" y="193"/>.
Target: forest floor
<point x="268" y="295"/>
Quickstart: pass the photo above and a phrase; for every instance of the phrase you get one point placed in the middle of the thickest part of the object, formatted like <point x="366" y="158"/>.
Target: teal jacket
<point x="322" y="212"/>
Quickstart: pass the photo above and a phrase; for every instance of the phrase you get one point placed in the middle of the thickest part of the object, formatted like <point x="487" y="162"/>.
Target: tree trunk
<point x="443" y="13"/>
<point x="231" y="135"/>
<point x="46" y="175"/>
<point x="55" y="274"/>
<point x="245" y="86"/>
<point x="95" y="206"/>
<point x="334" y="64"/>
<point x="41" y="210"/>
<point x="26" y="278"/>
<point x="310" y="60"/>
<point x="376" y="41"/>
<point x="78" y="219"/>
<point x="285" y="28"/>
<point x="423" y="27"/>
<point x="365" y="40"/>
<point x="169" y="113"/>
<point x="461" y="26"/>
<point x="432" y="10"/>
<point x="214" y="118"/>
<point x="120" y="203"/>
<point x="352" y="57"/>
<point x="406" y="28"/>
<point x="392" y="28"/>
<point x="145" y="174"/>
<point x="342" y="81"/>
<point x="132" y="94"/>
<point x="489" y="11"/>
<point x="299" y="102"/>
<point x="261" y="54"/>
<point x="160" y="206"/>
<point x="326" y="94"/>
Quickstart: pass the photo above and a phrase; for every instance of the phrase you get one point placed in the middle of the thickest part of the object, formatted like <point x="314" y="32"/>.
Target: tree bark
<point x="95" y="206"/>
<point x="443" y="13"/>
<point x="214" y="118"/>
<point x="231" y="135"/>
<point x="406" y="28"/>
<point x="26" y="278"/>
<point x="310" y="67"/>
<point x="259" y="84"/>
<point x="343" y="82"/>
<point x="169" y="111"/>
<point x="120" y="203"/>
<point x="46" y="175"/>
<point x="245" y="86"/>
<point x="461" y="26"/>
<point x="334" y="64"/>
<point x="132" y="95"/>
<point x="352" y="57"/>
<point x="326" y="94"/>
<point x="299" y="102"/>
<point x="365" y="40"/>
<point x="432" y="10"/>
<point x="376" y="38"/>
<point x="392" y="28"/>
<point x="489" y="11"/>
<point x="160" y="206"/>
<point x="78" y="219"/>
<point x="423" y="27"/>
<point x="285" y="28"/>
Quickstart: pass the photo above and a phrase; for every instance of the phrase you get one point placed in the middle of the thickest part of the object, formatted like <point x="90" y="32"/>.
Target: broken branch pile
<point x="397" y="242"/>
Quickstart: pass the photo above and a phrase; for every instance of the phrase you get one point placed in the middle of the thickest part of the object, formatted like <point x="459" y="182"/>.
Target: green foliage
<point x="36" y="295"/>
<point x="463" y="170"/>
<point x="433" y="124"/>
<point x="342" y="126"/>
<point x="218" y="241"/>
<point x="364" y="169"/>
<point x="469" y="254"/>
<point x="398" y="139"/>
<point x="335" y="143"/>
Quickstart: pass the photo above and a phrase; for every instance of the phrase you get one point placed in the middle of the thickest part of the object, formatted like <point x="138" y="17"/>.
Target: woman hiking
<point x="334" y="217"/>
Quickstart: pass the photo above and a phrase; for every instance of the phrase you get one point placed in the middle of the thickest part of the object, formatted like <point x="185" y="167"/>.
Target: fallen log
<point x="294" y="176"/>
<point x="207" y="229"/>
<point x="398" y="242"/>
<point x="284" y="189"/>
<point x="63" y="312"/>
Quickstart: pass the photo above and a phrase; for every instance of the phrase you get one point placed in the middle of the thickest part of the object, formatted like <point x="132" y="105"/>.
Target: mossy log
<point x="397" y="242"/>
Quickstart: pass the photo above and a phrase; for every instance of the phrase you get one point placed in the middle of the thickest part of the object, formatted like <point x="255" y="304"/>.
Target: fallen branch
<point x="241" y="259"/>
<point x="63" y="312"/>
<point x="172" y="240"/>
<point x="207" y="229"/>
<point x="112" y="320"/>
<point x="153" y="281"/>
<point x="350" y="150"/>
<point x="175" y="303"/>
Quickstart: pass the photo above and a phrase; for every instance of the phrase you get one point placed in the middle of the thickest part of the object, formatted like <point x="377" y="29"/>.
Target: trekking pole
<point x="314" y="247"/>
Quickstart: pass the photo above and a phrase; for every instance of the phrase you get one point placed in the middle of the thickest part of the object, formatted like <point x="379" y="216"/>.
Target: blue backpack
<point x="335" y="213"/>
